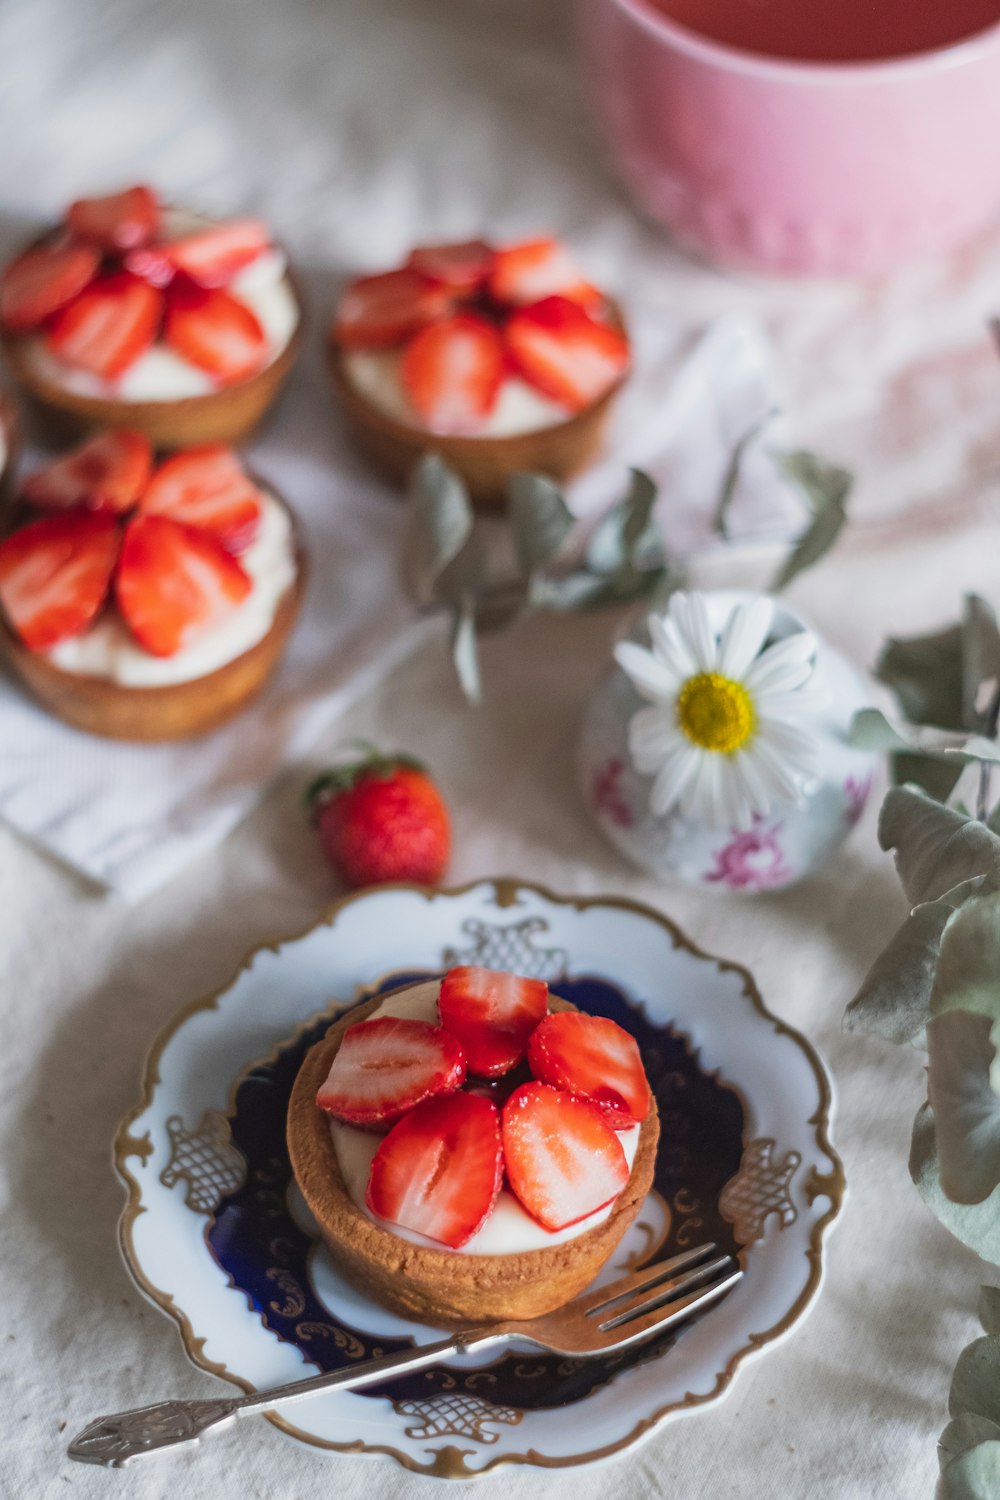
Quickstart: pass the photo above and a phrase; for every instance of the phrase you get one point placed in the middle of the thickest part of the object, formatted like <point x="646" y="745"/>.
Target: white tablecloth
<point x="358" y="128"/>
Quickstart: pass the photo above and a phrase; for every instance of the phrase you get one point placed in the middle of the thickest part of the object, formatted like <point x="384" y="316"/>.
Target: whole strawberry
<point x="382" y="819"/>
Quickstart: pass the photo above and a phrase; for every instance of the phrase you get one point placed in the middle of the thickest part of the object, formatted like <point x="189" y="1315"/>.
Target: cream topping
<point x="163" y="375"/>
<point x="375" y="374"/>
<point x="509" y="1230"/>
<point x="109" y="650"/>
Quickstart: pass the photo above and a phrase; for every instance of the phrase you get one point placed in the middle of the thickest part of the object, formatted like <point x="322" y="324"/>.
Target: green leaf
<point x="936" y="847"/>
<point x="975" y="1385"/>
<point x="731" y="477"/>
<point x="965" y="1432"/>
<point x="826" y="488"/>
<point x="540" y="520"/>
<point x="980" y="666"/>
<point x="926" y="675"/>
<point x="989" y="1310"/>
<point x="976" y="1225"/>
<point x="438" y="525"/>
<point x="974" y="1476"/>
<point x="932" y="774"/>
<point x="894" y="999"/>
<point x="465" y="652"/>
<point x="626" y="539"/>
<point x="871" y="730"/>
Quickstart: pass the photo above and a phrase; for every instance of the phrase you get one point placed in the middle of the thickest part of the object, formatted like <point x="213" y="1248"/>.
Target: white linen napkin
<point x="129" y="817"/>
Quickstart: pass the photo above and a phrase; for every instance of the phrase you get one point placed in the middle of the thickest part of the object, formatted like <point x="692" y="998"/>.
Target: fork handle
<point x="116" y="1440"/>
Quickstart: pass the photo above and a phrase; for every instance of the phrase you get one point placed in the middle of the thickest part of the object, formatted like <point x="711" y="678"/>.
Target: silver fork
<point x="625" y="1312"/>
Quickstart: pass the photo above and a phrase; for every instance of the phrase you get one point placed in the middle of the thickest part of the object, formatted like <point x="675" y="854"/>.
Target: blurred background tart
<point x="132" y="313"/>
<point x="417" y="1131"/>
<point x="148" y="602"/>
<point x="498" y="359"/>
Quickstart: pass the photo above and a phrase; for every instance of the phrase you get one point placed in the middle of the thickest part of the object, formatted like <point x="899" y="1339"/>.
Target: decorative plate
<point x="216" y="1234"/>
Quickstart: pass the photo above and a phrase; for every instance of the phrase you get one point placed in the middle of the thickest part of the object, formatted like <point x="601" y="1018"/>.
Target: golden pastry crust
<point x="485" y="463"/>
<point x="177" y="711"/>
<point x="442" y="1286"/>
<point x="227" y="415"/>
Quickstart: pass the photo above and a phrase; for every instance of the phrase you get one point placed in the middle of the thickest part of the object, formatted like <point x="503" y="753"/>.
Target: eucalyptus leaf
<point x="975" y="1385"/>
<point x="974" y="1476"/>
<point x="960" y="1054"/>
<point x="894" y="999"/>
<point x="936" y="775"/>
<point x="465" y="652"/>
<point x="926" y="674"/>
<point x="731" y="478"/>
<point x="980" y="666"/>
<point x="965" y="1432"/>
<point x="968" y="969"/>
<point x="936" y="847"/>
<point x="976" y="1225"/>
<point x="540" y="520"/>
<point x="989" y="1310"/>
<point x="626" y="539"/>
<point x="826" y="488"/>
<point x="437" y="526"/>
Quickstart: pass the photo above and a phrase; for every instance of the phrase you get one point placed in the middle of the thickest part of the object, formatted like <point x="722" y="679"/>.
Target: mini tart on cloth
<point x="444" y="1286"/>
<point x="444" y="399"/>
<point x="124" y="245"/>
<point x="174" y="710"/>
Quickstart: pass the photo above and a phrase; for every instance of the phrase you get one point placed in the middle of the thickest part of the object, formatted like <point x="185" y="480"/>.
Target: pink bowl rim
<point x="683" y="39"/>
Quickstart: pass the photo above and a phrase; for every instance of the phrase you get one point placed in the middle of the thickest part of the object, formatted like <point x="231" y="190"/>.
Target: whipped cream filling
<point x="110" y="651"/>
<point x="375" y="374"/>
<point x="160" y="374"/>
<point x="510" y="1229"/>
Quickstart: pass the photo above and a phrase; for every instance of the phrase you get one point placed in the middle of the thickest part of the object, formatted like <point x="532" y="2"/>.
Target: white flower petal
<point x="798" y="650"/>
<point x="746" y="631"/>
<point x="671" y="647"/>
<point x="646" y="672"/>
<point x="734" y="805"/>
<point x="697" y="800"/>
<point x="800" y="704"/>
<point x="777" y="771"/>
<point x="653" y="736"/>
<point x="758" y="786"/>
<point x="792" y="740"/>
<point x="690" y="616"/>
<point x="673" y="779"/>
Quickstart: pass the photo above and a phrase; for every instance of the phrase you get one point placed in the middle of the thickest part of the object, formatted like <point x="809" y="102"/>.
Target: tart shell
<point x="227" y="415"/>
<point x="485" y="463"/>
<point x="10" y="443"/>
<point x="443" y="1286"/>
<point x="176" y="711"/>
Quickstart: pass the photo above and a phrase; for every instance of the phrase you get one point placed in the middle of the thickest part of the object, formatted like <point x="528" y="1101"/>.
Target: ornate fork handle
<point x="116" y="1440"/>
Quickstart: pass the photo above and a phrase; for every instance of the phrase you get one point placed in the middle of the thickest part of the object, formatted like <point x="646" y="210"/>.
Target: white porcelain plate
<point x="216" y="1235"/>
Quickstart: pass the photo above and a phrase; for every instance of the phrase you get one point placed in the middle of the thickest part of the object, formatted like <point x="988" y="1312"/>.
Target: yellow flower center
<point x="715" y="712"/>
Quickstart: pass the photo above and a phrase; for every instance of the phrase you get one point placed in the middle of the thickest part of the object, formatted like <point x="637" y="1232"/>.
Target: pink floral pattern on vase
<point x="752" y="861"/>
<point x="856" y="790"/>
<point x="608" y="796"/>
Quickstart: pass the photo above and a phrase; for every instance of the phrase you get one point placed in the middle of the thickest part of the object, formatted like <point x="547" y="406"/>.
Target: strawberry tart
<point x="131" y="313"/>
<point x="474" y="1147"/>
<point x="146" y="602"/>
<point x="498" y="359"/>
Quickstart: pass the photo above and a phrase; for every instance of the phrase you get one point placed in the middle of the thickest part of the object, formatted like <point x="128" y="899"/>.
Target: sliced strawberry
<point x="42" y="281"/>
<point x="206" y="487"/>
<point x="564" y="352"/>
<point x="591" y="1056"/>
<point x="463" y="268"/>
<point x="108" y="326"/>
<point x="55" y="574"/>
<point x="387" y="1066"/>
<point x="107" y="472"/>
<point x="378" y="312"/>
<point x="539" y="268"/>
<point x="563" y="1160"/>
<point x="213" y="256"/>
<point x="452" y="372"/>
<point x="151" y="263"/>
<point x="492" y="1014"/>
<point x="215" y="332"/>
<point x="174" y="583"/>
<point x="439" y="1170"/>
<point x="118" y="222"/>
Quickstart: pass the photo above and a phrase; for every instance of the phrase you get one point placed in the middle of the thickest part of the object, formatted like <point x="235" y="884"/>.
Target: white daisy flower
<point x="723" y="736"/>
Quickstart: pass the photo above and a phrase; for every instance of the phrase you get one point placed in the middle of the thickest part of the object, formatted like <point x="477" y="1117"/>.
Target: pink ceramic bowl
<point x="829" y="169"/>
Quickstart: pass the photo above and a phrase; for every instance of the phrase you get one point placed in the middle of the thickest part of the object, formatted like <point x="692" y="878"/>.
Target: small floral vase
<point x="775" y="849"/>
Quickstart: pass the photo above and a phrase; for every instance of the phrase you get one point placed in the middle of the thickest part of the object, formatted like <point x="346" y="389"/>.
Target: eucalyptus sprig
<point x="542" y="557"/>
